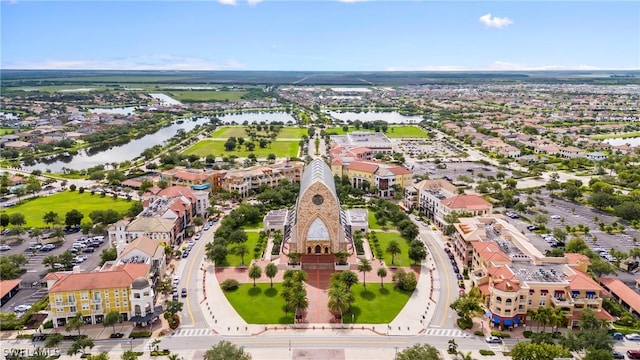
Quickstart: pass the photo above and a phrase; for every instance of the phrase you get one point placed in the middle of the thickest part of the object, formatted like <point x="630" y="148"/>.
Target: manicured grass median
<point x="61" y="203"/>
<point x="281" y="149"/>
<point x="376" y="305"/>
<point x="259" y="305"/>
<point x="401" y="259"/>
<point x="234" y="260"/>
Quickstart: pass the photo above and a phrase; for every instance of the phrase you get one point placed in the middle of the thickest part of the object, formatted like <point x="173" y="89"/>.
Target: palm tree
<point x="382" y="272"/>
<point x="255" y="272"/>
<point x="364" y="267"/>
<point x="558" y="318"/>
<point x="241" y="250"/>
<point x="349" y="278"/>
<point x="299" y="300"/>
<point x="340" y="299"/>
<point x="393" y="248"/>
<point x="545" y="315"/>
<point x="271" y="270"/>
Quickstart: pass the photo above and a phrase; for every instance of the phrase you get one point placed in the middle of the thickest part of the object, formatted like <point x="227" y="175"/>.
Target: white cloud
<point x="227" y="2"/>
<point x="156" y="62"/>
<point x="253" y="2"/>
<point x="507" y="66"/>
<point x="494" y="21"/>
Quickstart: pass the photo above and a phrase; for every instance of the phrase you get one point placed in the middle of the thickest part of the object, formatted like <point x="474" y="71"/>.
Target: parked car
<point x="34" y="247"/>
<point x="185" y="253"/>
<point x="88" y="249"/>
<point x="176" y="296"/>
<point x="47" y="247"/>
<point x="184" y="292"/>
<point x="197" y="236"/>
<point x="21" y="308"/>
<point x="494" y="340"/>
<point x="617" y="336"/>
<point x="555" y="217"/>
<point x="617" y="354"/>
<point x="633" y="354"/>
<point x="5" y="247"/>
<point x="632" y="337"/>
<point x="532" y="228"/>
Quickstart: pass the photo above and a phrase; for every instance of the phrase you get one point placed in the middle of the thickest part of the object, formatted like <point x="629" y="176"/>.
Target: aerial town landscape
<point x="288" y="219"/>
<point x="319" y="180"/>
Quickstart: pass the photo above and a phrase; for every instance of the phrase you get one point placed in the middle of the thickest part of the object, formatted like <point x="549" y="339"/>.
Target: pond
<point x="392" y="117"/>
<point x="133" y="149"/>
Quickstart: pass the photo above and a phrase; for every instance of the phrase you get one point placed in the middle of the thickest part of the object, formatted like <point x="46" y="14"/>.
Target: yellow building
<point x="365" y="175"/>
<point x="122" y="288"/>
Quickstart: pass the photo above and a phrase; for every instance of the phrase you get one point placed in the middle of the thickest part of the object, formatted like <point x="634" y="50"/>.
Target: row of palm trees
<point x="547" y="315"/>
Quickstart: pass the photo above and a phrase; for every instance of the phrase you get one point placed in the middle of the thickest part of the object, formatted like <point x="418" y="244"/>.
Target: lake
<point x="392" y="117"/>
<point x="135" y="147"/>
<point x="633" y="141"/>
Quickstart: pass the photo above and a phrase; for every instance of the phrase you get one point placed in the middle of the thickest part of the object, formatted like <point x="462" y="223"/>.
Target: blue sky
<point x="320" y="35"/>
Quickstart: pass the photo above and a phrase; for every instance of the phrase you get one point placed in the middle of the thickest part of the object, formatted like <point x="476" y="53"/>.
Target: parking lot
<point x="31" y="286"/>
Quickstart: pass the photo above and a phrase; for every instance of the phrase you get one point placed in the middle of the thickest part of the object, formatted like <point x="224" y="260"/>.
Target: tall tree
<point x="271" y="270"/>
<point x="393" y="248"/>
<point x="255" y="272"/>
<point x="50" y="217"/>
<point x="226" y="350"/>
<point x="529" y="351"/>
<point x="241" y="250"/>
<point x="364" y="267"/>
<point x="111" y="319"/>
<point x="75" y="323"/>
<point x="419" y="351"/>
<point x="340" y="299"/>
<point x="382" y="273"/>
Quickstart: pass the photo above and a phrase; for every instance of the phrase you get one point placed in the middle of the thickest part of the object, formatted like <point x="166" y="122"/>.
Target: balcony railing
<point x="562" y="301"/>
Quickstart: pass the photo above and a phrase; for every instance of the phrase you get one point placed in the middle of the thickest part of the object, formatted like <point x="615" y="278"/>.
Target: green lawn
<point x="259" y="305"/>
<point x="226" y="132"/>
<point x="373" y="223"/>
<point x="61" y="203"/>
<point x="401" y="259"/>
<point x="257" y="226"/>
<point x="263" y="305"/>
<point x="233" y="260"/>
<point x="394" y="131"/>
<point x="376" y="305"/>
<point x="616" y="135"/>
<point x="205" y="95"/>
<point x="281" y="149"/>
<point x="5" y="131"/>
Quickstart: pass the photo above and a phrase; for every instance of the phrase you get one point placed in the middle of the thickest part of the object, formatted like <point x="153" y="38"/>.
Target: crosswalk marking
<point x="193" y="332"/>
<point x="444" y="332"/>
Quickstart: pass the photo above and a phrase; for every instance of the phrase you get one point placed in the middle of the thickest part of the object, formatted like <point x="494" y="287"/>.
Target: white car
<point x="22" y="308"/>
<point x="5" y="247"/>
<point x="632" y="337"/>
<point x="555" y="217"/>
<point x="80" y="259"/>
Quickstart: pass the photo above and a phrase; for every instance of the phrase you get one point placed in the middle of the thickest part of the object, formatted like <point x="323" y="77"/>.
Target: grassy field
<point x="204" y="148"/>
<point x="394" y="131"/>
<point x="233" y="260"/>
<point x="376" y="305"/>
<point x="401" y="259"/>
<point x="205" y="95"/>
<point x="373" y="223"/>
<point x="257" y="226"/>
<point x="5" y="131"/>
<point x="259" y="305"/>
<point x="61" y="203"/>
<point x="616" y="135"/>
<point x="226" y="132"/>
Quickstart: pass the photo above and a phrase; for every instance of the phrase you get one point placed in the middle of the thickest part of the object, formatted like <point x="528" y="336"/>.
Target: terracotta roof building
<point x="625" y="295"/>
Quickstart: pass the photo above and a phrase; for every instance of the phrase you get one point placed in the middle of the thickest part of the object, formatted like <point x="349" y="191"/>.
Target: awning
<point x="508" y="322"/>
<point x="157" y="311"/>
<point x="516" y="320"/>
<point x="495" y="319"/>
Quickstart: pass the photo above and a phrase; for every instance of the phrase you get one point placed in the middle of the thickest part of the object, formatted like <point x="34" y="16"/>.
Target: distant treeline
<point x="375" y="78"/>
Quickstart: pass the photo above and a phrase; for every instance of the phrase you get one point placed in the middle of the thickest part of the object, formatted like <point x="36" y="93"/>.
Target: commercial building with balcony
<point x="123" y="288"/>
<point x="247" y="181"/>
<point x="367" y="175"/>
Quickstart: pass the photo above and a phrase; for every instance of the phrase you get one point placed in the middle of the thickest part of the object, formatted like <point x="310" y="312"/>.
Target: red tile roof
<point x="8" y="285"/>
<point x="466" y="201"/>
<point x="582" y="281"/>
<point x="400" y="170"/>
<point x="116" y="277"/>
<point x="363" y="166"/>
<point x="623" y="292"/>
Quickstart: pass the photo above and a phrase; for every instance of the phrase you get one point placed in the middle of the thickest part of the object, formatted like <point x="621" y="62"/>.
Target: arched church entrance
<point x="318" y="249"/>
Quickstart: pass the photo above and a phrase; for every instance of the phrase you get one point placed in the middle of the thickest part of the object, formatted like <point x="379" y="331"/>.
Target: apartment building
<point x="246" y="181"/>
<point x="514" y="277"/>
<point x="195" y="179"/>
<point x="436" y="198"/>
<point x="123" y="288"/>
<point x="367" y="175"/>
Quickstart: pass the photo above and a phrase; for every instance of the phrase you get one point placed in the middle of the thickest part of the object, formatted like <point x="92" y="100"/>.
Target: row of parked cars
<point x="454" y="263"/>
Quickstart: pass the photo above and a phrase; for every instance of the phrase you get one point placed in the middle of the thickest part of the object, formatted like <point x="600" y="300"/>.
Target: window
<point x="117" y="303"/>
<point x="508" y="302"/>
<point x="498" y="299"/>
<point x="96" y="296"/>
<point x="124" y="292"/>
<point x="498" y="310"/>
<point x="530" y="303"/>
<point x="136" y="295"/>
<point x="84" y="296"/>
<point x="73" y="309"/>
<point x="507" y="312"/>
<point x="97" y="307"/>
<point x="125" y="303"/>
<point x="72" y="298"/>
<point x="117" y="293"/>
<point x="60" y="309"/>
<point x="521" y="307"/>
<point x="543" y="302"/>
<point x="85" y="307"/>
<point x="58" y="298"/>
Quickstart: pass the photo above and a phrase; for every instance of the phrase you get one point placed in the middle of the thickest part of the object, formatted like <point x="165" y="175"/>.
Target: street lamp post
<point x="131" y="344"/>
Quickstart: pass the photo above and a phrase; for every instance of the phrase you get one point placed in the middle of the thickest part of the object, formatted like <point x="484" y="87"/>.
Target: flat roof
<point x="358" y="217"/>
<point x="547" y="273"/>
